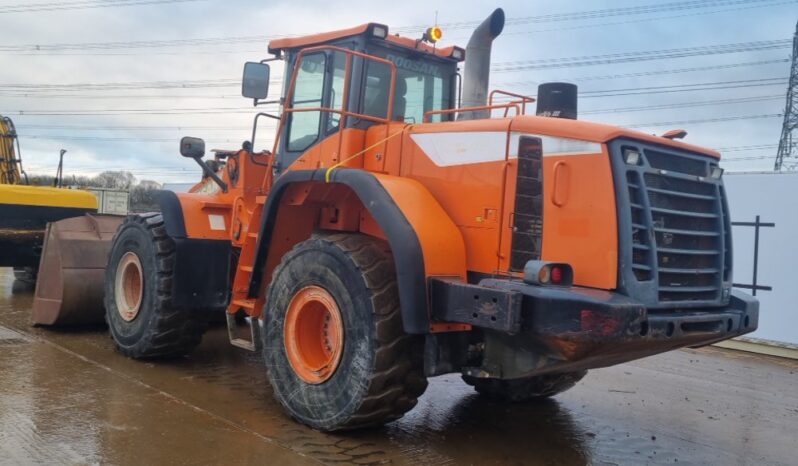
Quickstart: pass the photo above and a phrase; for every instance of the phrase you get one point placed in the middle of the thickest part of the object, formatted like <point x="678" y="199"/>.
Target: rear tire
<point x="138" y="293"/>
<point x="526" y="389"/>
<point x="376" y="374"/>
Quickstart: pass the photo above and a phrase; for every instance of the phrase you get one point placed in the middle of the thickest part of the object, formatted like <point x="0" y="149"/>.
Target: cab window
<point x="308" y="93"/>
<point x="336" y="90"/>
<point x="422" y="85"/>
<point x="376" y="90"/>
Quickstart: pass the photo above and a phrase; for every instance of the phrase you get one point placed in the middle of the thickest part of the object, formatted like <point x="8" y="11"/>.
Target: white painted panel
<point x="446" y="149"/>
<point x="563" y="146"/>
<point x="457" y="148"/>
<point x="774" y="197"/>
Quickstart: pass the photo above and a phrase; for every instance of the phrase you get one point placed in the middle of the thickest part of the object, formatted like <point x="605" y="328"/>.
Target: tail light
<point x="548" y="273"/>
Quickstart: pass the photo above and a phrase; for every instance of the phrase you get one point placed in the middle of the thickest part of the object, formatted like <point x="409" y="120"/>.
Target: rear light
<point x="544" y="275"/>
<point x="548" y="273"/>
<point x="556" y="274"/>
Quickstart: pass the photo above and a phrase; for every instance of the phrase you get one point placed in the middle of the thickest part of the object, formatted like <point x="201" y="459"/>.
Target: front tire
<point x="526" y="389"/>
<point x="138" y="293"/>
<point x="335" y="350"/>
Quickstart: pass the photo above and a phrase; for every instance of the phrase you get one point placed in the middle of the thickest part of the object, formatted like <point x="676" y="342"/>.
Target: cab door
<point x="311" y="135"/>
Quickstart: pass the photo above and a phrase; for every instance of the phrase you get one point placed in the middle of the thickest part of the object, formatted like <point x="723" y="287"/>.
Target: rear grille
<point x="528" y="212"/>
<point x="674" y="231"/>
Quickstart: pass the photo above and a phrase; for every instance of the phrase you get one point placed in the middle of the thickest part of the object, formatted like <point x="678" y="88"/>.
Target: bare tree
<point x="115" y="180"/>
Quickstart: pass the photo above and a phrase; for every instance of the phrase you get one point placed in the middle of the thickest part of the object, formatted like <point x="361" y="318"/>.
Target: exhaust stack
<point x="477" y="65"/>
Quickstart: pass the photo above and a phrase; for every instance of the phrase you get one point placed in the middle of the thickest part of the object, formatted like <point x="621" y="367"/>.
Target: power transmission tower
<point x="788" y="144"/>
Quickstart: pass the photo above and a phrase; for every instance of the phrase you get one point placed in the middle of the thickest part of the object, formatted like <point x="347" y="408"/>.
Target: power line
<point x="137" y="128"/>
<point x="707" y="86"/>
<point x="717" y="85"/>
<point x="601" y="14"/>
<point x="135" y="111"/>
<point x="114" y="97"/>
<point x="151" y="139"/>
<point x="682" y="105"/>
<point x="604" y="24"/>
<point x="557" y="17"/>
<point x="82" y="5"/>
<point x="742" y="159"/>
<point x="704" y="120"/>
<point x="584" y="112"/>
<point x="112" y="86"/>
<point x="660" y="72"/>
<point x="228" y="82"/>
<point x="41" y="91"/>
<point x="745" y="148"/>
<point x="647" y="55"/>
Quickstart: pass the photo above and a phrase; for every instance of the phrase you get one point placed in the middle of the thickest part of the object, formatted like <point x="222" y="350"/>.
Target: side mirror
<point x="255" y="84"/>
<point x="192" y="147"/>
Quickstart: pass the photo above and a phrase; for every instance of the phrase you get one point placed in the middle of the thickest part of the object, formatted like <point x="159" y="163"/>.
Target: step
<point x="244" y="303"/>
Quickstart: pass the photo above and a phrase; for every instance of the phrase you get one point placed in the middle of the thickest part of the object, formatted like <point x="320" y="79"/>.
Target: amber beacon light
<point x="433" y="34"/>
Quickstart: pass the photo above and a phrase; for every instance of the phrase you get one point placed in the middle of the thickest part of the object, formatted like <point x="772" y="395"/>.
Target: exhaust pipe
<point x="557" y="100"/>
<point x="477" y="65"/>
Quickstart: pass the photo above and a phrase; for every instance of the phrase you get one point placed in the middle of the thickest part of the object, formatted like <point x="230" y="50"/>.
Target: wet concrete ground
<point x="67" y="398"/>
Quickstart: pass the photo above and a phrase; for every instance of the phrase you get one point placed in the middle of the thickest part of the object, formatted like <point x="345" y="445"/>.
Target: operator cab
<point x="426" y="80"/>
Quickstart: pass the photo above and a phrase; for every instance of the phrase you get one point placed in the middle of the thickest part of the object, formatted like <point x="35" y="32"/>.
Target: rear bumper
<point x="532" y="329"/>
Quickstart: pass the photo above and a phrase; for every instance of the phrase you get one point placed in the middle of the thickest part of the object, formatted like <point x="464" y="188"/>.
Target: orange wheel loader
<point x="407" y="223"/>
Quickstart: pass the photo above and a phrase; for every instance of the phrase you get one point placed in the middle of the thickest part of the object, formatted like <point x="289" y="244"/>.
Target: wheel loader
<point x="407" y="223"/>
<point x="25" y="210"/>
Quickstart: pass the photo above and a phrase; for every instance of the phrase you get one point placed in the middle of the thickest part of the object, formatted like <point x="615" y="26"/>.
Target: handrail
<point x="345" y="98"/>
<point x="523" y="101"/>
<point x="428" y="114"/>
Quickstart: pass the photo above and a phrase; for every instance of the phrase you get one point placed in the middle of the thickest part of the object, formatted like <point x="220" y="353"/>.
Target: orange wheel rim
<point x="129" y="286"/>
<point x="314" y="334"/>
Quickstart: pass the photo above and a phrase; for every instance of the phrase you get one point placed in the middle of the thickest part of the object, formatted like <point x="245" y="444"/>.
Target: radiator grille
<point x="528" y="212"/>
<point x="677" y="227"/>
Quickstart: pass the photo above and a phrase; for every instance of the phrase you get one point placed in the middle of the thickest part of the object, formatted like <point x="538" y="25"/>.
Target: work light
<point x="631" y="156"/>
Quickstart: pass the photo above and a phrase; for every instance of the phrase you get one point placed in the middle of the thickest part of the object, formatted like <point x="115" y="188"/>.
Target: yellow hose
<point x="9" y="161"/>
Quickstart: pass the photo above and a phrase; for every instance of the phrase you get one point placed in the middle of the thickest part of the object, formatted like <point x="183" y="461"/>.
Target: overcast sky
<point x="100" y="82"/>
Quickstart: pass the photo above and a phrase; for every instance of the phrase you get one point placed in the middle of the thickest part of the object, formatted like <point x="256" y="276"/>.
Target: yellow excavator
<point x="25" y="210"/>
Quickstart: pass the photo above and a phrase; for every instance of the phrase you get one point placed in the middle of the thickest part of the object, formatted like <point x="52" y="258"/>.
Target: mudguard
<point x="424" y="240"/>
<point x="202" y="276"/>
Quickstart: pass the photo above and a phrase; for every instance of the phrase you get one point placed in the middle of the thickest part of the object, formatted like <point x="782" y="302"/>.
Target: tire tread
<point x="172" y="332"/>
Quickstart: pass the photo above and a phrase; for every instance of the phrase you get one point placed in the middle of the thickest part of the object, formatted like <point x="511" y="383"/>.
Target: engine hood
<point x="557" y="127"/>
<point x="594" y="132"/>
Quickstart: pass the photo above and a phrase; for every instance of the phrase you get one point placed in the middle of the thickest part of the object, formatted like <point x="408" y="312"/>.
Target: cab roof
<point x="291" y="43"/>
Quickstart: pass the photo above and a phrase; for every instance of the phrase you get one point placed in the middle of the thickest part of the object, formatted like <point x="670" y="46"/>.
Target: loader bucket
<point x="69" y="289"/>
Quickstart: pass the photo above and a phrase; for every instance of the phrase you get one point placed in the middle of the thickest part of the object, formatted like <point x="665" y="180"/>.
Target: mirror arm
<point x="207" y="170"/>
<point x="257" y="102"/>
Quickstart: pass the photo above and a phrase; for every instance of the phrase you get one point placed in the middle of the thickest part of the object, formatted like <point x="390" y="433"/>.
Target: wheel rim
<point x="314" y="334"/>
<point x="129" y="286"/>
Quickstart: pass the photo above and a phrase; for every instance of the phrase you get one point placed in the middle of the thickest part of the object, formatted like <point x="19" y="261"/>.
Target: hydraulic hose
<point x="10" y="160"/>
